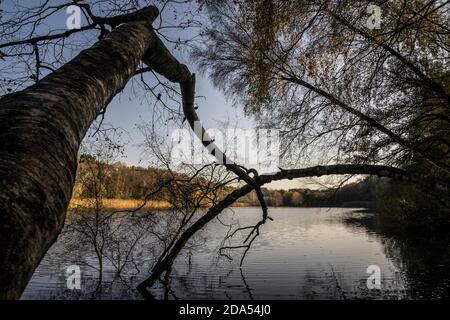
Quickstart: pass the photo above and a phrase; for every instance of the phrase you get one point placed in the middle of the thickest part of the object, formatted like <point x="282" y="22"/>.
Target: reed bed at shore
<point x="120" y="204"/>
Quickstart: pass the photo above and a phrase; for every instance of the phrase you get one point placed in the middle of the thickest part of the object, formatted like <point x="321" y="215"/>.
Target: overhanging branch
<point x="164" y="63"/>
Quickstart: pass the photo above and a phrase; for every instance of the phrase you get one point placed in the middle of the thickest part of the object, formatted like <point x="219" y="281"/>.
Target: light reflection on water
<point x="305" y="253"/>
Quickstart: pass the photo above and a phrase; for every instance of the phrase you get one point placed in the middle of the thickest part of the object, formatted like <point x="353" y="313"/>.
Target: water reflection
<point x="305" y="253"/>
<point x="423" y="264"/>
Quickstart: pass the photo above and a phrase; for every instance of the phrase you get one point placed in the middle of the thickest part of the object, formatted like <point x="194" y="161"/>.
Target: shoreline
<point x="131" y="204"/>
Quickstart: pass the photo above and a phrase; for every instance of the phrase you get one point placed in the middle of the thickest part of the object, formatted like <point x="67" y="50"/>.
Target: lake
<point x="305" y="253"/>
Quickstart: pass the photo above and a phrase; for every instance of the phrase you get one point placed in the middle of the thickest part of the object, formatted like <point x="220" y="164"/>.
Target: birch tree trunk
<point x="41" y="129"/>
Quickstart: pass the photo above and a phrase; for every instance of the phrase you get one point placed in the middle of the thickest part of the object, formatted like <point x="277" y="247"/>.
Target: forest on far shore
<point x="400" y="207"/>
<point x="134" y="182"/>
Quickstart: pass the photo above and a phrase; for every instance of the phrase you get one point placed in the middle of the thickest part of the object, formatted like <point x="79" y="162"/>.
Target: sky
<point x="128" y="113"/>
<point x="213" y="110"/>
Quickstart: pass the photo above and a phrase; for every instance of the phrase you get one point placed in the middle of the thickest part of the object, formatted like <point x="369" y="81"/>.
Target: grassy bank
<point x="131" y="204"/>
<point x="120" y="204"/>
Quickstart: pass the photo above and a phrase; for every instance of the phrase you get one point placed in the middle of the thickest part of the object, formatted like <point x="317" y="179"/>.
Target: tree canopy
<point x="317" y="72"/>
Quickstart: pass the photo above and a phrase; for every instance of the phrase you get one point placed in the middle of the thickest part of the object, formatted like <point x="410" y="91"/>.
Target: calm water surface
<point x="305" y="253"/>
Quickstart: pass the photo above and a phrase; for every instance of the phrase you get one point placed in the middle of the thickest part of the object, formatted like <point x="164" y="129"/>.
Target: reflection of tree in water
<point x="132" y="243"/>
<point x="124" y="248"/>
<point x="219" y="282"/>
<point x="423" y="263"/>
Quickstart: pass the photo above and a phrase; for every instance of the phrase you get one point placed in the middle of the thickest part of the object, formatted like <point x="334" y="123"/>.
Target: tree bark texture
<point x="41" y="129"/>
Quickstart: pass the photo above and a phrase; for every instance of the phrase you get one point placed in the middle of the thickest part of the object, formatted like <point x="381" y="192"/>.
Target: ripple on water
<point x="305" y="253"/>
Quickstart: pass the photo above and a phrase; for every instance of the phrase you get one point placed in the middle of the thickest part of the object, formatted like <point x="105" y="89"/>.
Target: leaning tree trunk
<point x="41" y="129"/>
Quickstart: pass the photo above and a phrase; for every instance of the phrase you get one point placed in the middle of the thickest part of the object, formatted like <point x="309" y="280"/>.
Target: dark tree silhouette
<point x="41" y="131"/>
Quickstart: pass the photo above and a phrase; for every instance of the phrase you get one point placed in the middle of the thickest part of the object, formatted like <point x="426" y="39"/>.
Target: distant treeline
<point x="118" y="180"/>
<point x="133" y="182"/>
<point x="361" y="194"/>
<point x="401" y="207"/>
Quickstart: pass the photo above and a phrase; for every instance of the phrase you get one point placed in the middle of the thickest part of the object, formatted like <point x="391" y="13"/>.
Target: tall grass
<point x="121" y="204"/>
